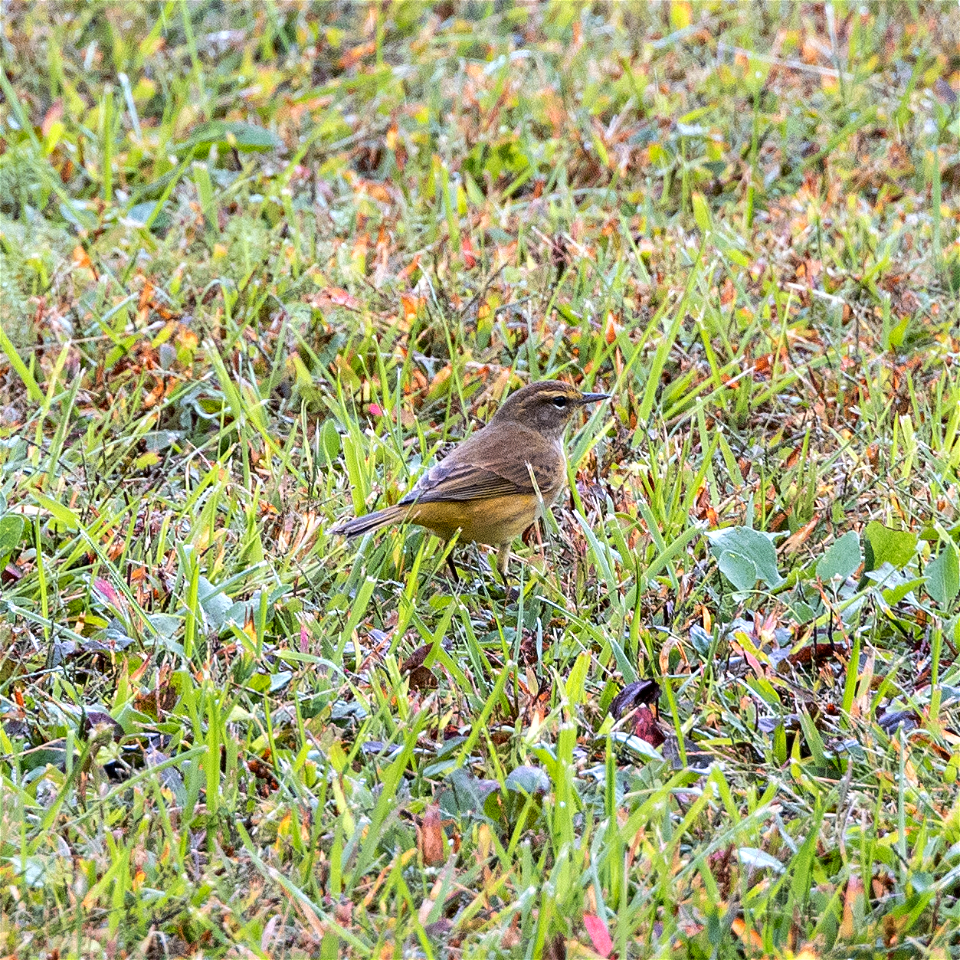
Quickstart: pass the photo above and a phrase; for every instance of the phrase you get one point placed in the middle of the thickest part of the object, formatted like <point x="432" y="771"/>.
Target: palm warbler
<point x="495" y="484"/>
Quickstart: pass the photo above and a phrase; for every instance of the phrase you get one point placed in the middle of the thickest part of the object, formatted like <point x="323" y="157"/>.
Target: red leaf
<point x="466" y="248"/>
<point x="645" y="727"/>
<point x="599" y="935"/>
<point x="107" y="591"/>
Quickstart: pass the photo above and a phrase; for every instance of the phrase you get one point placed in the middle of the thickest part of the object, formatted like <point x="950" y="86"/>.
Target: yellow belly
<point x="494" y="521"/>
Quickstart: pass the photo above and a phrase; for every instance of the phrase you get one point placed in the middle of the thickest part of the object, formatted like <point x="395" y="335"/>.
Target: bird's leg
<point x="453" y="568"/>
<point x="538" y="531"/>
<point x="503" y="560"/>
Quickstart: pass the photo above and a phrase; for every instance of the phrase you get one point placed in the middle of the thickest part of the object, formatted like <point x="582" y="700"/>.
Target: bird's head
<point x="546" y="406"/>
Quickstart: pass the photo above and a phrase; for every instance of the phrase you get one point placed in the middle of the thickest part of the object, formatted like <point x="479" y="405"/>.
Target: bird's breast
<point x="494" y="521"/>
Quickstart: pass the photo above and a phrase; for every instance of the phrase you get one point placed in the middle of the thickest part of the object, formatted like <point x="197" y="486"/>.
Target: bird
<point x="492" y="486"/>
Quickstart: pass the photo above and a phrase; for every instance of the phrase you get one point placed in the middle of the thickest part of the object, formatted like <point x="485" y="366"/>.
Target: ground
<point x="262" y="263"/>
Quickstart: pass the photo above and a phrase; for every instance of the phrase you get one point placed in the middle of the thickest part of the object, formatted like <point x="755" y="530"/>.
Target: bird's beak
<point x="594" y="397"/>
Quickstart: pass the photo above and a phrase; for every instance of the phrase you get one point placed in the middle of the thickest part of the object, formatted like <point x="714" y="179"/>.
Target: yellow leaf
<point x="681" y="14"/>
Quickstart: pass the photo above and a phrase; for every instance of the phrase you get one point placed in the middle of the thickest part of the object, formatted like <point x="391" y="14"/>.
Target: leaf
<point x="333" y="297"/>
<point x="243" y="136"/>
<point x="943" y="575"/>
<point x="894" y="585"/>
<point x="646" y="728"/>
<point x="431" y="840"/>
<point x="740" y="570"/>
<point x="108" y="592"/>
<point x="895" y="592"/>
<point x="148" y="212"/>
<point x="701" y="213"/>
<point x="759" y="859"/>
<point x="637" y="745"/>
<point x="20" y="368"/>
<point x="681" y="14"/>
<point x="82" y="259"/>
<point x="61" y="513"/>
<point x="215" y="604"/>
<point x="884" y="545"/>
<point x="842" y="558"/>
<point x="632" y="696"/>
<point x="11" y="532"/>
<point x="165" y="624"/>
<point x="527" y="779"/>
<point x="576" y="682"/>
<point x="466" y="794"/>
<point x="745" y="556"/>
<point x="599" y="934"/>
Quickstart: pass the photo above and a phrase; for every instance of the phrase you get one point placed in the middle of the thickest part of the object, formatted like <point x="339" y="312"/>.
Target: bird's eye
<point x="560" y="402"/>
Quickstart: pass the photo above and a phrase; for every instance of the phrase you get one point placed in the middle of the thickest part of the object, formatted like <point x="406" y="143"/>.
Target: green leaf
<point x="745" y="556"/>
<point x="758" y="859"/>
<point x="576" y="682"/>
<point x="215" y="604"/>
<point x="527" y="779"/>
<point x="842" y="558"/>
<point x="280" y="680"/>
<point x="638" y="745"/>
<point x="884" y="545"/>
<point x="943" y="575"/>
<point x="12" y="526"/>
<point x="701" y="213"/>
<point x="165" y="624"/>
<point x="740" y="570"/>
<point x="330" y="438"/>
<point x="896" y="592"/>
<point x="243" y="136"/>
<point x="142" y="214"/>
<point x="20" y="368"/>
<point x="466" y="794"/>
<point x="61" y="513"/>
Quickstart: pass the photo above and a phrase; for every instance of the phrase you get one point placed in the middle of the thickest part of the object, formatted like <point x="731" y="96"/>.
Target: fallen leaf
<point x="431" y="840"/>
<point x="599" y="934"/>
<point x="632" y="696"/>
<point x="82" y="259"/>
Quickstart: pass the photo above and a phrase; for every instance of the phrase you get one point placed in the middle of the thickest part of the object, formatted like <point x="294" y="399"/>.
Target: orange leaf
<point x="82" y="259"/>
<point x="334" y="297"/>
<point x="612" y="328"/>
<point x="411" y="306"/>
<point x="754" y="938"/>
<point x="852" y="905"/>
<point x="187" y="338"/>
<point x="356" y="54"/>
<point x="146" y="295"/>
<point x="430" y="837"/>
<point x="373" y="189"/>
<point x="796" y="540"/>
<point x="469" y="260"/>
<point x="410" y="269"/>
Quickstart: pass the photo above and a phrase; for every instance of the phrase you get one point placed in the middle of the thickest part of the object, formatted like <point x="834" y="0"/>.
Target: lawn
<point x="262" y="263"/>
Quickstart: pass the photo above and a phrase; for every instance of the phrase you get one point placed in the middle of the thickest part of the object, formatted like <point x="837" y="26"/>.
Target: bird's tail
<point x="371" y="521"/>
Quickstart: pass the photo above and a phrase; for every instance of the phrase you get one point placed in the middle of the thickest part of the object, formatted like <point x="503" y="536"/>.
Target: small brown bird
<point x="495" y="484"/>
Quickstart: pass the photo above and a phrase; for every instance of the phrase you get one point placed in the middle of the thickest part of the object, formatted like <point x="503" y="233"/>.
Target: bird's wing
<point x="460" y="477"/>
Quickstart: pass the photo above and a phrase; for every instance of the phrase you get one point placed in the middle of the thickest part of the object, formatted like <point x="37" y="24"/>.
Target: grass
<point x="261" y="263"/>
